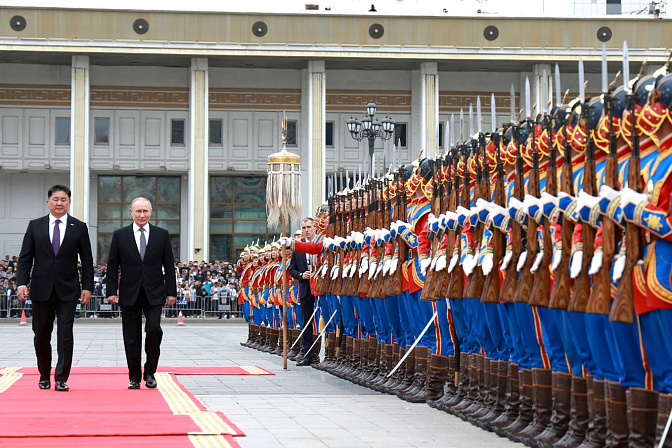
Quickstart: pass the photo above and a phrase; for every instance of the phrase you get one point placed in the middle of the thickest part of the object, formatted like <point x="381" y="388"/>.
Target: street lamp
<point x="370" y="128"/>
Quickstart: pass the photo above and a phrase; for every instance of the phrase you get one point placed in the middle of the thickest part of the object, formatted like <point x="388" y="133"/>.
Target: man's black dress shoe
<point x="61" y="386"/>
<point x="150" y="382"/>
<point x="134" y="385"/>
<point x="304" y="362"/>
<point x="46" y="384"/>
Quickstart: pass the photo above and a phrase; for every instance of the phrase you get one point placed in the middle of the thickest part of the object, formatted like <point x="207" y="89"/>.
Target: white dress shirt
<point x="61" y="227"/>
<point x="136" y="234"/>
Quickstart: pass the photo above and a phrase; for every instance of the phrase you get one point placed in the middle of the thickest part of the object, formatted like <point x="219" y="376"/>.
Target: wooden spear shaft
<point x="284" y="299"/>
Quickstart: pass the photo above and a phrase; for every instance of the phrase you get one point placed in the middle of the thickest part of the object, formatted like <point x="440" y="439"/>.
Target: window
<point x="101" y="131"/>
<point x="177" y="132"/>
<point x="613" y="6"/>
<point x="237" y="215"/>
<point x="329" y="134"/>
<point x="440" y="135"/>
<point x="292" y="126"/>
<point x="215" y="131"/>
<point x="62" y="130"/>
<point x="400" y="134"/>
<point x="115" y="194"/>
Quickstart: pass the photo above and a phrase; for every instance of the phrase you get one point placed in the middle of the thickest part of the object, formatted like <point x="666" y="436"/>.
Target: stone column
<point x="199" y="199"/>
<point x="79" y="138"/>
<point x="316" y="134"/>
<point x="430" y="107"/>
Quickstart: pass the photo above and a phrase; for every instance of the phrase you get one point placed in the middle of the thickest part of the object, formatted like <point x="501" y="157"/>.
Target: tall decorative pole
<point x="283" y="201"/>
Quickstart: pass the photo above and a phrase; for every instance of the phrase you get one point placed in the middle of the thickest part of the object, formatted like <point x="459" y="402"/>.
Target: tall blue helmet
<point x="594" y="112"/>
<point x="642" y="89"/>
<point x="618" y="102"/>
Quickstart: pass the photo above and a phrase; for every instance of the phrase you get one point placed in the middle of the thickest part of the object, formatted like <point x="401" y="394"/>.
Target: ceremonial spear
<point x="283" y="201"/>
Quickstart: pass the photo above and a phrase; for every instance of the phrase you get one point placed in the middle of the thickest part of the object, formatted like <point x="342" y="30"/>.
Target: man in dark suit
<point x="299" y="269"/>
<point x="51" y="247"/>
<point x="143" y="255"/>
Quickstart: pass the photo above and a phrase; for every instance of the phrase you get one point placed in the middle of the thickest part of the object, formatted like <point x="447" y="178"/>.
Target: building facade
<point x="184" y="108"/>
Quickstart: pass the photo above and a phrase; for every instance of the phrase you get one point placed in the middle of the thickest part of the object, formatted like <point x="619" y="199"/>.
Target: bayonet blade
<point x="626" y="67"/>
<point x="544" y="93"/>
<point x="528" y="100"/>
<point x="558" y="93"/>
<point x="452" y="128"/>
<point x="512" y="99"/>
<point x="347" y="179"/>
<point x="461" y="124"/>
<point x="605" y="83"/>
<point x="479" y="126"/>
<point x="471" y="121"/>
<point x="446" y="136"/>
<point x="493" y="115"/>
<point x="582" y="88"/>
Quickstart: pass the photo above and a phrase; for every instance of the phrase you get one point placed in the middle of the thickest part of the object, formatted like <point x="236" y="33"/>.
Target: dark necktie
<point x="143" y="243"/>
<point x="56" y="240"/>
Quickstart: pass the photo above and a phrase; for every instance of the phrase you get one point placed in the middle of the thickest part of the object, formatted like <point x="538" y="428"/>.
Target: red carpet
<point x="100" y="405"/>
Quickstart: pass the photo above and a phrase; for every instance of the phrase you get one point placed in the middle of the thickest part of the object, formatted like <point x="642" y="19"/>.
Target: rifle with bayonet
<point x="367" y="201"/>
<point x="456" y="284"/>
<point x="508" y="293"/>
<point x="433" y="237"/>
<point x="376" y="292"/>
<point x="491" y="289"/>
<point x="397" y="283"/>
<point x="581" y="292"/>
<point x="442" y="277"/>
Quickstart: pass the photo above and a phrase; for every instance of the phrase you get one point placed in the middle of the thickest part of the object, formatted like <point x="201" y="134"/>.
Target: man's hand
<point x="113" y="299"/>
<point x="21" y="293"/>
<point x="86" y="296"/>
<point x="306" y="275"/>
<point x="170" y="300"/>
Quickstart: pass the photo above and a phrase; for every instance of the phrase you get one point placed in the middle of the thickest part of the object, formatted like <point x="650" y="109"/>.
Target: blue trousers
<point x="394" y="318"/>
<point x="655" y="327"/>
<point x="246" y="311"/>
<point x="552" y="338"/>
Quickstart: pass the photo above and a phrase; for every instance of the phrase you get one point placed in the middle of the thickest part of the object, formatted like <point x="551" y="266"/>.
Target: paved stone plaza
<point x="299" y="407"/>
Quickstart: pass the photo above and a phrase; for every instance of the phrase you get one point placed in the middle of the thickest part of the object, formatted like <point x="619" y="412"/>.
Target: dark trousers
<point x="131" y="322"/>
<point x="307" y="308"/>
<point x="43" y="324"/>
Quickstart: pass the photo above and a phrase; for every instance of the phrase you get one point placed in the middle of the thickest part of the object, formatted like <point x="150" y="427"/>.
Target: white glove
<point x="363" y="266"/>
<point x="442" y="221"/>
<point x="324" y="271"/>
<point x="440" y="264"/>
<point x="546" y="198"/>
<point x="586" y="200"/>
<point x="424" y="264"/>
<point x="386" y="266"/>
<point x="521" y="261"/>
<point x="372" y="269"/>
<point x="346" y="270"/>
<point x="482" y="204"/>
<point x="353" y="269"/>
<point x="285" y="241"/>
<point x="453" y="263"/>
<point x="537" y="262"/>
<point x="468" y="264"/>
<point x="619" y="267"/>
<point x="393" y="265"/>
<point x="596" y="263"/>
<point x="505" y="262"/>
<point x="629" y="196"/>
<point x="379" y="269"/>
<point x="487" y="264"/>
<point x="529" y="201"/>
<point x="607" y="192"/>
<point x="515" y="203"/>
<point x="461" y="211"/>
<point x="334" y="272"/>
<point x="576" y="263"/>
<point x="557" y="258"/>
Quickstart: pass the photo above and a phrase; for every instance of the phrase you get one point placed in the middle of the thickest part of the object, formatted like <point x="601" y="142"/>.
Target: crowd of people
<point x="200" y="286"/>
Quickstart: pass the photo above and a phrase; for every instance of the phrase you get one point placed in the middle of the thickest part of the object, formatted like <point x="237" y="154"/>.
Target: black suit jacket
<point x="297" y="266"/>
<point x="156" y="273"/>
<point x="51" y="272"/>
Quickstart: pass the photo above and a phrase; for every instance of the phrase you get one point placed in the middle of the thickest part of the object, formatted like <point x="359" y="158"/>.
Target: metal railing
<point x="223" y="307"/>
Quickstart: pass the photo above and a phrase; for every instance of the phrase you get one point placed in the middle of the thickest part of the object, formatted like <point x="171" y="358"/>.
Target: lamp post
<point x="370" y="128"/>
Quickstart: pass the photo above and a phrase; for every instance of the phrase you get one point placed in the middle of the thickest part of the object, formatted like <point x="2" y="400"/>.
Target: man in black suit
<point x="51" y="247"/>
<point x="299" y="269"/>
<point x="143" y="255"/>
